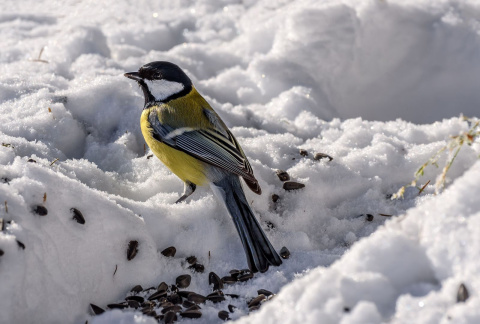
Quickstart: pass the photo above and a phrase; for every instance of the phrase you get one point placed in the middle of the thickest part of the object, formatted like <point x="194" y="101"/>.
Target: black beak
<point x="133" y="75"/>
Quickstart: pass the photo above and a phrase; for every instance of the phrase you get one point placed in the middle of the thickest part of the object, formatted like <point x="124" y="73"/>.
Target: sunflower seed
<point x="132" y="250"/>
<point x="194" y="307"/>
<point x="170" y="317"/>
<point x="319" y="156"/>
<point x="78" y="216"/>
<point x="215" y="280"/>
<point x="256" y="301"/>
<point x="138" y="299"/>
<point x="275" y="198"/>
<point x="169" y="252"/>
<point x="133" y="304"/>
<point x="157" y="295"/>
<point x="162" y="286"/>
<point x="21" y="245"/>
<point x="245" y="277"/>
<point x="197" y="267"/>
<point x="196" y="298"/>
<point x="191" y="259"/>
<point x="284" y="253"/>
<point x="40" y="210"/>
<point x="188" y="304"/>
<point x="292" y="185"/>
<point x="173" y="308"/>
<point x="117" y="306"/>
<point x="303" y="152"/>
<point x="191" y="313"/>
<point x="96" y="310"/>
<point x="231" y="308"/>
<point x="369" y="217"/>
<point x="183" y="281"/>
<point x="136" y="289"/>
<point x="184" y="293"/>
<point x="228" y="280"/>
<point x="32" y="161"/>
<point x="1" y="252"/>
<point x="235" y="296"/>
<point x="174" y="298"/>
<point x="223" y="315"/>
<point x="283" y="175"/>
<point x="264" y="292"/>
<point x="462" y="294"/>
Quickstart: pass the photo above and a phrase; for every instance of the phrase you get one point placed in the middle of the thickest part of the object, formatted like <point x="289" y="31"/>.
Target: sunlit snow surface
<point x="284" y="75"/>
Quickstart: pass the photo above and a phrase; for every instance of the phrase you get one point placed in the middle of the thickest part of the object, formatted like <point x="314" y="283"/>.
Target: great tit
<point x="188" y="136"/>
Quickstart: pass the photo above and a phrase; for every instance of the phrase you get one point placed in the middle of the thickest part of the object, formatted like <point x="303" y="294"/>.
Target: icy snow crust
<point x="284" y="75"/>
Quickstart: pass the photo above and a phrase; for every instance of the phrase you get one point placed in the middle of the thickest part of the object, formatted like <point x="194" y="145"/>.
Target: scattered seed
<point x="188" y="304"/>
<point x="132" y="250"/>
<point x="228" y="280"/>
<point x="346" y="309"/>
<point x="183" y="281"/>
<point x="256" y="301"/>
<point x="282" y="175"/>
<point x="133" y="304"/>
<point x="191" y="313"/>
<point x="194" y="307"/>
<point x="216" y="296"/>
<point x="45" y="197"/>
<point x="191" y="259"/>
<point x="196" y="298"/>
<point x="253" y="308"/>
<point x="173" y="308"/>
<point x="235" y="296"/>
<point x="138" y="299"/>
<point x="223" y="315"/>
<point x="369" y="217"/>
<point x="292" y="185"/>
<point x="166" y="304"/>
<point x="173" y="288"/>
<point x="149" y="156"/>
<point x="245" y="277"/>
<point x="264" y="292"/>
<point x="184" y="293"/>
<point x="385" y="215"/>
<point x="96" y="310"/>
<point x="117" y="306"/>
<point x="162" y="286"/>
<point x="197" y="267"/>
<point x="270" y="225"/>
<point x="215" y="280"/>
<point x="170" y="317"/>
<point x="462" y="294"/>
<point x="77" y="215"/>
<point x="1" y="252"/>
<point x="175" y="299"/>
<point x="2" y="225"/>
<point x="169" y="252"/>
<point x="40" y="210"/>
<point x="275" y="198"/>
<point x="284" y="253"/>
<point x="151" y="313"/>
<point x="157" y="295"/>
<point x="6" y="180"/>
<point x="235" y="273"/>
<point x="32" y="161"/>
<point x="303" y="152"/>
<point x="6" y="207"/>
<point x="231" y="308"/>
<point x="136" y="289"/>
<point x="319" y="156"/>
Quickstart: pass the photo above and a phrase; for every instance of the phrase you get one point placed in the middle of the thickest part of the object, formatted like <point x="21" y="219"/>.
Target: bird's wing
<point x="207" y="145"/>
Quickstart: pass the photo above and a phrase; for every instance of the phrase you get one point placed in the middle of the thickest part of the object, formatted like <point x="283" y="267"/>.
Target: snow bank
<point x="284" y="76"/>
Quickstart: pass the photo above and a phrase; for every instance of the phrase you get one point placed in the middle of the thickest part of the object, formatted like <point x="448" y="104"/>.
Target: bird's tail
<point x="258" y="249"/>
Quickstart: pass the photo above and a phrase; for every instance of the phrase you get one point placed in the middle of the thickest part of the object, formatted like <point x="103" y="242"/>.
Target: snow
<point x="377" y="85"/>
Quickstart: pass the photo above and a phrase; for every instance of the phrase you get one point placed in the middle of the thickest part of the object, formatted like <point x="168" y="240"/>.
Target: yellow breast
<point x="183" y="165"/>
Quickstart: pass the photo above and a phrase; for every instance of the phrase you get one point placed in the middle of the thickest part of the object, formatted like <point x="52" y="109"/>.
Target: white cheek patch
<point x="162" y="89"/>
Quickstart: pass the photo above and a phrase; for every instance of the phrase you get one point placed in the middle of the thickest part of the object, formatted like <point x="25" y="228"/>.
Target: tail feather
<point x="258" y="249"/>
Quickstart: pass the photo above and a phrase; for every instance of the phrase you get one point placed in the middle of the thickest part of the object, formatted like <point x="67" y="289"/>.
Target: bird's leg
<point x="188" y="189"/>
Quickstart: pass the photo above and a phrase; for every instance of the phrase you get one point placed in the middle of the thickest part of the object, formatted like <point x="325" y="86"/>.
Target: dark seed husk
<point x="173" y="288"/>
<point x="215" y="280"/>
<point x="216" y="293"/>
<point x="78" y="216"/>
<point x="292" y="185"/>
<point x="162" y="286"/>
<point x="253" y="308"/>
<point x="166" y="304"/>
<point x="191" y="313"/>
<point x="346" y="309"/>
<point x="284" y="253"/>
<point x="133" y="304"/>
<point x="275" y="198"/>
<point x="235" y="296"/>
<point x="32" y="161"/>
<point x="146" y="303"/>
<point x="196" y="298"/>
<point x="234" y="273"/>
<point x="303" y="152"/>
<point x="283" y="175"/>
<point x="146" y="310"/>
<point x="183" y="281"/>
<point x="119" y="306"/>
<point x="184" y="293"/>
<point x="194" y="307"/>
<point x="197" y="267"/>
<point x="40" y="210"/>
<point x="175" y="298"/>
<point x="132" y="250"/>
<point x="1" y="252"/>
<point x="138" y="299"/>
<point x="157" y="295"/>
<point x="228" y="280"/>
<point x="256" y="301"/>
<point x="136" y="289"/>
<point x="169" y="252"/>
<point x="223" y="315"/>
<point x="188" y="304"/>
<point x="369" y="217"/>
<point x="231" y="308"/>
<point x="319" y="156"/>
<point x="96" y="310"/>
<point x="148" y="289"/>
<point x="170" y="317"/>
<point x="462" y="294"/>
<point x="21" y="245"/>
<point x="245" y="277"/>
<point x="2" y="225"/>
<point x="216" y="299"/>
<point x="173" y="308"/>
<point x="264" y="292"/>
<point x="151" y="313"/>
<point x="191" y="259"/>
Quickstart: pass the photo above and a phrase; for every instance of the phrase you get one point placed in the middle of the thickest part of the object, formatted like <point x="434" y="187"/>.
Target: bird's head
<point x="161" y="81"/>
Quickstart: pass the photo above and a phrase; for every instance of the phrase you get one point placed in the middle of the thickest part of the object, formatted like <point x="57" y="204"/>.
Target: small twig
<point x="116" y="267"/>
<point x="385" y="215"/>
<point x="39" y="57"/>
<point x="54" y="161"/>
<point x="44" y="197"/>
<point x="423" y="188"/>
<point x="6" y="207"/>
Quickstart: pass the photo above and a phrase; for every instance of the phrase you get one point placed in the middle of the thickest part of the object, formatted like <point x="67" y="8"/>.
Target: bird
<point x="190" y="138"/>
